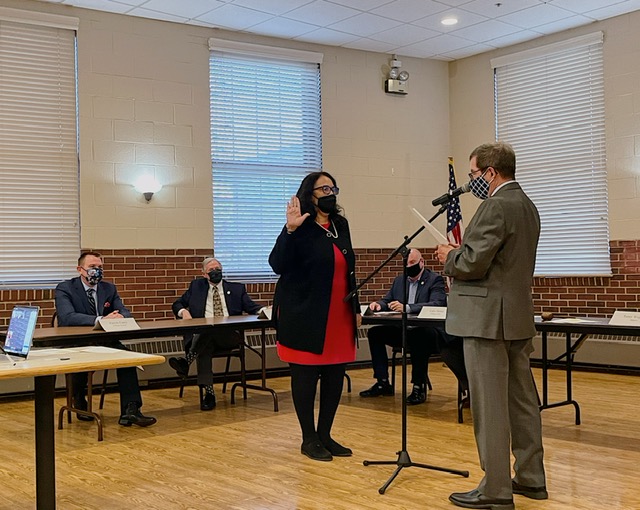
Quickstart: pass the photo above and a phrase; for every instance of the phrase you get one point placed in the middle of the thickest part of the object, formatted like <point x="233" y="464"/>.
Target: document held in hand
<point x="441" y="239"/>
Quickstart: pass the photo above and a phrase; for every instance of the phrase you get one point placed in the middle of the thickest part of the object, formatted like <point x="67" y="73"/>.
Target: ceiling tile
<point x="283" y="27"/>
<point x="515" y="38"/>
<point x="100" y="5"/>
<point x="615" y="10"/>
<point x="564" y="24"/>
<point x="409" y="10"/>
<point x="582" y="6"/>
<point x="234" y="17"/>
<point x="486" y="31"/>
<point x="468" y="51"/>
<point x="491" y="9"/>
<point x="361" y="5"/>
<point x="163" y="16"/>
<point x="536" y="16"/>
<point x="437" y="45"/>
<point x="322" y="13"/>
<point x="277" y="8"/>
<point x="365" y="24"/>
<point x="404" y="35"/>
<point x="182" y="9"/>
<point x="370" y="45"/>
<point x="328" y="36"/>
<point x="465" y="19"/>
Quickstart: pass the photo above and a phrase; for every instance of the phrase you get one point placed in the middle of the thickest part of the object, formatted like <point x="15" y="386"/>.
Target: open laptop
<point x="20" y="333"/>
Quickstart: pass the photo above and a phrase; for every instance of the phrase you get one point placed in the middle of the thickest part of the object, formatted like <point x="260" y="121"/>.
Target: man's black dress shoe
<point x="133" y="416"/>
<point x="379" y="389"/>
<point x="83" y="406"/>
<point x="418" y="396"/>
<point x="208" y="402"/>
<point x="336" y="449"/>
<point x="530" y="492"/>
<point x="315" y="450"/>
<point x="181" y="366"/>
<point x="473" y="499"/>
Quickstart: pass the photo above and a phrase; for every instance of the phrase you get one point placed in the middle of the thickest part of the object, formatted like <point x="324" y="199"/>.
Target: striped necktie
<point x="92" y="301"/>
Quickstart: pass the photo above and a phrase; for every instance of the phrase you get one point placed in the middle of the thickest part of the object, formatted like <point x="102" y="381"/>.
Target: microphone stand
<point x="403" y="460"/>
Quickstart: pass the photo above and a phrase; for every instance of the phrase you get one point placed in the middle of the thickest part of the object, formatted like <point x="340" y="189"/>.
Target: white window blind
<point x="39" y="209"/>
<point x="550" y="107"/>
<point x="265" y="137"/>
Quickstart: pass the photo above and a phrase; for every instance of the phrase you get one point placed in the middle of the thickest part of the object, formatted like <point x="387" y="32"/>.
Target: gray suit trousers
<point x="504" y="404"/>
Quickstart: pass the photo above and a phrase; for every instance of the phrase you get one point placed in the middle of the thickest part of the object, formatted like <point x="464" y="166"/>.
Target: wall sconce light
<point x="147" y="185"/>
<point x="396" y="83"/>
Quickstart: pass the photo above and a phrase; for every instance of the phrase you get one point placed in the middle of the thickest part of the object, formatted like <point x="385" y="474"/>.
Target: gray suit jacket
<point x="491" y="292"/>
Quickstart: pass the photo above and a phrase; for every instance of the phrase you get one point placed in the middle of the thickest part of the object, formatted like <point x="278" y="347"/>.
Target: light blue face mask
<point x="480" y="187"/>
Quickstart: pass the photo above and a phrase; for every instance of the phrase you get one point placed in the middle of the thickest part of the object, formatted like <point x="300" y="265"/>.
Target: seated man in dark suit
<point x="426" y="288"/>
<point x="83" y="300"/>
<point x="203" y="299"/>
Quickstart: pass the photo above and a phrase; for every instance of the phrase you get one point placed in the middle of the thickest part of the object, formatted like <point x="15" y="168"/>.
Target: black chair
<point x="235" y="352"/>
<point x="463" y="396"/>
<point x="395" y="352"/>
<point x="68" y="408"/>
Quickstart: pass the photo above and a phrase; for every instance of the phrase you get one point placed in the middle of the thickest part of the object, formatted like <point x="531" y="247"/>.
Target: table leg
<point x="263" y="386"/>
<point x="45" y="446"/>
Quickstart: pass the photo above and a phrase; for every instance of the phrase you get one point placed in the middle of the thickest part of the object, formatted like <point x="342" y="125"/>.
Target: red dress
<point x="339" y="343"/>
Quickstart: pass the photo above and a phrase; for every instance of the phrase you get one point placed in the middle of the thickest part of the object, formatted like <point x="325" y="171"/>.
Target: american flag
<point x="455" y="230"/>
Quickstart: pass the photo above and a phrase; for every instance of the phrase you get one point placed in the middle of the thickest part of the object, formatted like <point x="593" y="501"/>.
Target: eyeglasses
<point x="328" y="190"/>
<point x="473" y="172"/>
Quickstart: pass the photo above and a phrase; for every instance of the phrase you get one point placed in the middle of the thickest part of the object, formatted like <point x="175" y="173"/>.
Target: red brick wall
<point x="150" y="280"/>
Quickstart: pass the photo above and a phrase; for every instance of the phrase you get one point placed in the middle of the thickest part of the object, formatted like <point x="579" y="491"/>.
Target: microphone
<point x="450" y="195"/>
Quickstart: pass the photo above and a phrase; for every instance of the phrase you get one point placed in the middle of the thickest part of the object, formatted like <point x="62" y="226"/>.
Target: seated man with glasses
<point x="426" y="288"/>
<point x="210" y="296"/>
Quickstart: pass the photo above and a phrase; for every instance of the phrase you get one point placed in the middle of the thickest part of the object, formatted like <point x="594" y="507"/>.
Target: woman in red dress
<point x="316" y="327"/>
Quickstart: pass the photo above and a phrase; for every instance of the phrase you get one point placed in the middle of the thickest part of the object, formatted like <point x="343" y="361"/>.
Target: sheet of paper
<point x="265" y="313"/>
<point x="441" y="239"/>
<point x="382" y="314"/>
<point x="126" y="324"/>
<point x="433" y="312"/>
<point x="571" y="320"/>
<point x="624" y="318"/>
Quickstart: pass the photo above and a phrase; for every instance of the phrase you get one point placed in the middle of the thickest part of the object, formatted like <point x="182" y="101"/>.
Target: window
<point x="550" y="106"/>
<point x="39" y="209"/>
<point x="265" y="137"/>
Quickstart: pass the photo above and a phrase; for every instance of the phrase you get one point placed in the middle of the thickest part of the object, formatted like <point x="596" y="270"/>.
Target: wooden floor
<point x="248" y="457"/>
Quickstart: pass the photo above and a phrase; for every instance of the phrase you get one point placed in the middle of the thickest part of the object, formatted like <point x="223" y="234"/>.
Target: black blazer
<point x="430" y="292"/>
<point x="72" y="303"/>
<point x="305" y="262"/>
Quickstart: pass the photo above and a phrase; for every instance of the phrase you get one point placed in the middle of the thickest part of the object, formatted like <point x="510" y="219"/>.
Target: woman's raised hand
<point x="294" y="218"/>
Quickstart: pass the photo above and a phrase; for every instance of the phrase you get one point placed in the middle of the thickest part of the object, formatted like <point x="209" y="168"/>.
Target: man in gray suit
<point x="490" y="306"/>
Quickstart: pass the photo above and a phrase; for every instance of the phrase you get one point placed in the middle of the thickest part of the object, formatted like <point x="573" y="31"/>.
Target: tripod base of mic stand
<point x="404" y="461"/>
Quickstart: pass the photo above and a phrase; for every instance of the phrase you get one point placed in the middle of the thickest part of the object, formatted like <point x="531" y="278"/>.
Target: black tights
<point x="304" y="381"/>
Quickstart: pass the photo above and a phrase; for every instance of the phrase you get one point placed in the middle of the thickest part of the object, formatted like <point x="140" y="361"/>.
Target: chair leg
<point x="429" y="384"/>
<point x="348" y="382"/>
<point x="181" y="389"/>
<point x="103" y="391"/>
<point x="393" y="369"/>
<point x="226" y="374"/>
<point x="243" y="371"/>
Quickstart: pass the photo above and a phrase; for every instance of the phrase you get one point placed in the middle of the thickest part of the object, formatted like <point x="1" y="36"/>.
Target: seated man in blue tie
<point x="210" y="296"/>
<point x="426" y="288"/>
<point x="83" y="300"/>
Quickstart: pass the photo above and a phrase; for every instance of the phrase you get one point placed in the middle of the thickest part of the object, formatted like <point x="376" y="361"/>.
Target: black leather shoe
<point x="315" y="450"/>
<point x="336" y="449"/>
<point x="379" y="389"/>
<point x="418" y="396"/>
<point x="181" y="366"/>
<point x="473" y="499"/>
<point x="530" y="492"/>
<point x="208" y="402"/>
<point x="82" y="406"/>
<point x="133" y="416"/>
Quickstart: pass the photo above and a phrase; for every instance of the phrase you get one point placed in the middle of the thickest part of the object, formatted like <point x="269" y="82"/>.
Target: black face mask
<point x="215" y="276"/>
<point x="414" y="270"/>
<point x="327" y="204"/>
